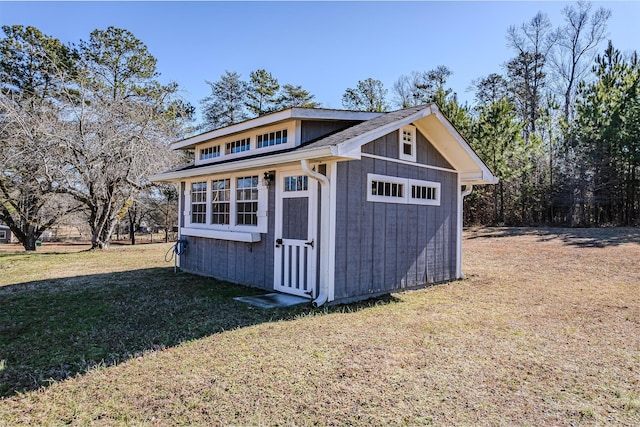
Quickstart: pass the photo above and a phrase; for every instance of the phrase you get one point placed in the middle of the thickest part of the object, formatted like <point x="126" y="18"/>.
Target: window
<point x="199" y="202"/>
<point x="210" y="152"/>
<point x="407" y="136"/>
<point x="272" y="138"/>
<point x="238" y="146"/>
<point x="296" y="183"/>
<point x="392" y="189"/>
<point x="3" y="234"/>
<point x="386" y="189"/>
<point x="220" y="201"/>
<point x="247" y="200"/>
<point x="423" y="192"/>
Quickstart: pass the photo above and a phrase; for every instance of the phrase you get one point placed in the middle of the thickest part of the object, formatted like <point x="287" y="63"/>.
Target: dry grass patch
<point x="546" y="331"/>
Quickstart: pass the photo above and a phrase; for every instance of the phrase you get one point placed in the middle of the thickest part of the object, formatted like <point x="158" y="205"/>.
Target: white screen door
<point x="296" y="244"/>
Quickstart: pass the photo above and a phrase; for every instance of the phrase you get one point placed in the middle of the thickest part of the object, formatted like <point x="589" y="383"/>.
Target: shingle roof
<point x="364" y="127"/>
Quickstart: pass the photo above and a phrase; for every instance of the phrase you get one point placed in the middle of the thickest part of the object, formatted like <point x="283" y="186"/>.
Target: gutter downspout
<point x="325" y="215"/>
<point x="463" y="193"/>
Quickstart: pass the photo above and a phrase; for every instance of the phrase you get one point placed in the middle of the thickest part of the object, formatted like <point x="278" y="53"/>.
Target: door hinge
<point x="278" y="243"/>
<point x="309" y="243"/>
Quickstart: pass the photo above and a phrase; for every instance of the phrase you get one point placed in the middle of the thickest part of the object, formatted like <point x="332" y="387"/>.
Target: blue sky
<point x="324" y="46"/>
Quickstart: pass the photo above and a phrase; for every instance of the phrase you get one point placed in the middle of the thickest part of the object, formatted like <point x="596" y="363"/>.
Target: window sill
<point x="237" y="236"/>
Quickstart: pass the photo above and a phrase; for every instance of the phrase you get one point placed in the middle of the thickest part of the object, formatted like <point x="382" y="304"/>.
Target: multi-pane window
<point x="199" y="202"/>
<point x="423" y="192"/>
<point x="238" y="146"/>
<point x="387" y="189"/>
<point x="408" y="143"/>
<point x="393" y="189"/>
<point x="247" y="200"/>
<point x="220" y="201"/>
<point x="210" y="152"/>
<point x="272" y="138"/>
<point x="296" y="183"/>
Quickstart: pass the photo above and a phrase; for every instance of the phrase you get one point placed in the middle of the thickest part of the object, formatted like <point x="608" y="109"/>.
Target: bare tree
<point x="576" y="43"/>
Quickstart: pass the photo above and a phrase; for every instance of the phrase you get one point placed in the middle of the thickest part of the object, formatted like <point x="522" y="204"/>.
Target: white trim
<point x="420" y="183"/>
<point x="243" y="164"/>
<point x="406" y="198"/>
<point x="237" y="236"/>
<point x="332" y="171"/>
<point x="312" y="232"/>
<point x="412" y="157"/>
<point x="263" y="195"/>
<point x="390" y="179"/>
<point x="404" y="162"/>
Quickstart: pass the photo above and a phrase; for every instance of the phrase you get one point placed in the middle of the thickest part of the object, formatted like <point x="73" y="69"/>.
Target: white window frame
<point x="406" y="198"/>
<point x="227" y="230"/>
<point x="390" y="179"/>
<point x="209" y="152"/>
<point x="411" y="130"/>
<point x="291" y="128"/>
<point x="418" y="201"/>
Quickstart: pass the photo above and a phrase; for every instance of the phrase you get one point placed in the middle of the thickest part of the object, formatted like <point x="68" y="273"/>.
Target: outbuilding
<point x="5" y="234"/>
<point x="330" y="205"/>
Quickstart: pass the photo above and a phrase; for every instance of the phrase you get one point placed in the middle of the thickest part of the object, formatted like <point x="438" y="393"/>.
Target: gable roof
<point x="346" y="144"/>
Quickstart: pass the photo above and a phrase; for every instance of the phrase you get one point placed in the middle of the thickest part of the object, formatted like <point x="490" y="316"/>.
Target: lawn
<point x="544" y="331"/>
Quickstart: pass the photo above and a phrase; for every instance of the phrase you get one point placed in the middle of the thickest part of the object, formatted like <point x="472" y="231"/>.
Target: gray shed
<point x="5" y="234"/>
<point x="330" y="205"/>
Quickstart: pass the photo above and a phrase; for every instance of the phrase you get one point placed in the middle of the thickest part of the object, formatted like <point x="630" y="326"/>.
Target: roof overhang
<point x="281" y="116"/>
<point x="442" y="135"/>
<point x="315" y="154"/>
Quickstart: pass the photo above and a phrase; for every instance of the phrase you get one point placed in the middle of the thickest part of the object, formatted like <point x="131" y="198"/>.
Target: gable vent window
<point x="238" y="146"/>
<point x="210" y="152"/>
<point x="391" y="189"/>
<point x="272" y="138"/>
<point x="407" y="137"/>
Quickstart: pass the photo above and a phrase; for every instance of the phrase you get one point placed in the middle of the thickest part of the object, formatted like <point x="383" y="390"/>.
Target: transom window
<point x="393" y="189"/>
<point x="199" y="202"/>
<point x="247" y="200"/>
<point x="220" y="201"/>
<point x="296" y="183"/>
<point x="272" y="138"/>
<point x="387" y="189"/>
<point x="210" y="152"/>
<point x="423" y="192"/>
<point x="238" y="146"/>
<point x="407" y="137"/>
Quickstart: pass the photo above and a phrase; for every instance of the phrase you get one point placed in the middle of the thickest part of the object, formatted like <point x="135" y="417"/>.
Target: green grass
<point x="544" y="332"/>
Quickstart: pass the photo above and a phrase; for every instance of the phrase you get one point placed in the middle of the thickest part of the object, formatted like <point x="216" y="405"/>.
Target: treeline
<point x="557" y="124"/>
<point x="82" y="127"/>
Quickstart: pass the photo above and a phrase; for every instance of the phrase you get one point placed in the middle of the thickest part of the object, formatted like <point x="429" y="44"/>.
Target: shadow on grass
<point x="51" y="330"/>
<point x="580" y="237"/>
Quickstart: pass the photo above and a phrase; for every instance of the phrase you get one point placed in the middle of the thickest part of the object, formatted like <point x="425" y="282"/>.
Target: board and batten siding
<point x="237" y="262"/>
<point x="384" y="247"/>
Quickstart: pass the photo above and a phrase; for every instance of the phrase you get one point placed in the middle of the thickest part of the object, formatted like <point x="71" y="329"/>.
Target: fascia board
<point x="355" y="143"/>
<point x="267" y="161"/>
<point x="486" y="173"/>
